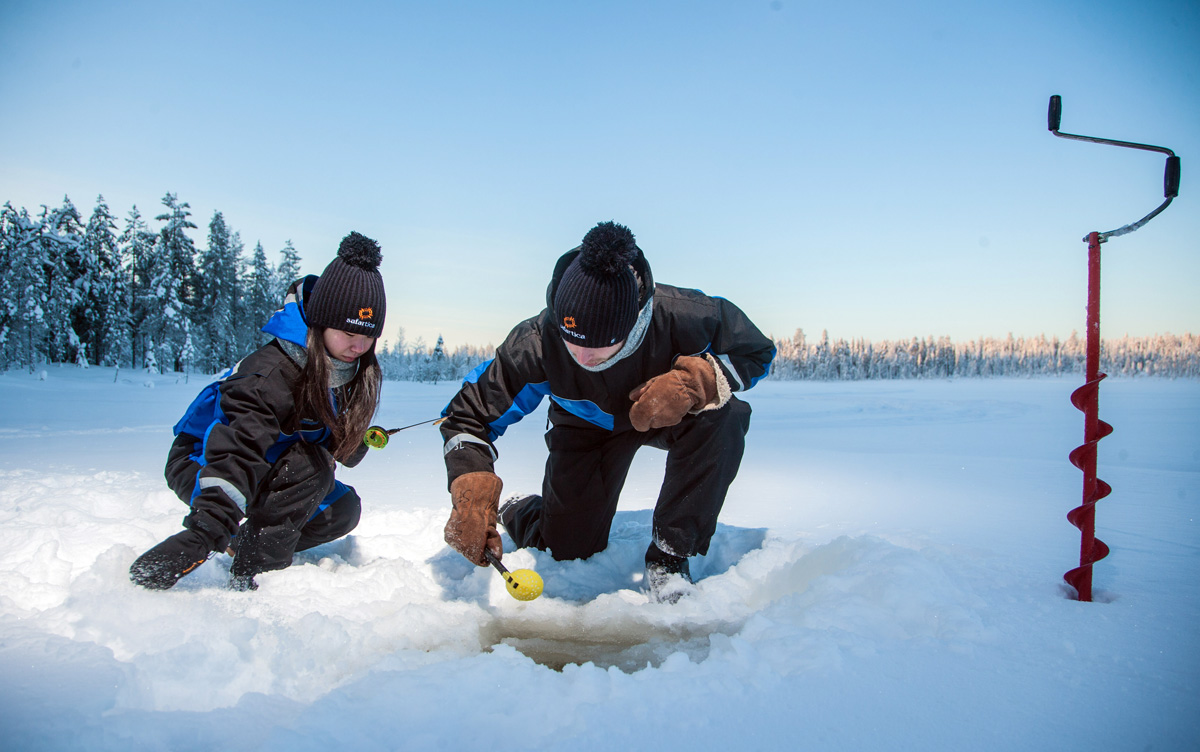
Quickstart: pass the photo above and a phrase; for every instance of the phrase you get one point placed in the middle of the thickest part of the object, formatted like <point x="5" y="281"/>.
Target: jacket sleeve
<point x="494" y="396"/>
<point x="235" y="451"/>
<point x="743" y="353"/>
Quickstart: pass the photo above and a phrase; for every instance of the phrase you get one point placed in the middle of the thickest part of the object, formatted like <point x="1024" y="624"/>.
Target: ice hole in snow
<point x="629" y="647"/>
<point x="604" y="622"/>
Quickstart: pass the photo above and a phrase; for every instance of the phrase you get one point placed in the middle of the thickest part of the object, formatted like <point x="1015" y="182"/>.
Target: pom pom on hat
<point x="359" y="250"/>
<point x="608" y="248"/>
<point x="349" y="295"/>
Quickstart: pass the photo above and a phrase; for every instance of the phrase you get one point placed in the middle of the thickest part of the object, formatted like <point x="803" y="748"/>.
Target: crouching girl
<point x="254" y="455"/>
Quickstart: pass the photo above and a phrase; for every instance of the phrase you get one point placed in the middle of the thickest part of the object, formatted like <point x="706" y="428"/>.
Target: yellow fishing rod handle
<point x="524" y="584"/>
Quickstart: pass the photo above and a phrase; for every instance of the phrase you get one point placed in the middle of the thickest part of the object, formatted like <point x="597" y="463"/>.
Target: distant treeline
<point x="933" y="358"/>
<point x="401" y="361"/>
<point x="142" y="298"/>
<point x="919" y="358"/>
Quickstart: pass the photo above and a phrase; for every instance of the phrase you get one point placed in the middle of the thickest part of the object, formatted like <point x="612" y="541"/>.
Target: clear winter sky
<point x="878" y="169"/>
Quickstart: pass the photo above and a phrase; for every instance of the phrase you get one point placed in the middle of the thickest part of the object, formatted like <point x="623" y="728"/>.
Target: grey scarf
<point x="340" y="373"/>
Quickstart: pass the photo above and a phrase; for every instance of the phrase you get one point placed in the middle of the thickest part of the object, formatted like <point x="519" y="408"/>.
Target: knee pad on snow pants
<point x="300" y="479"/>
<point x="335" y="517"/>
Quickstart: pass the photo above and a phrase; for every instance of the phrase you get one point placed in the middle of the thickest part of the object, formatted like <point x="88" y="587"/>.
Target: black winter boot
<point x="668" y="577"/>
<point x="242" y="582"/>
<point x="521" y="517"/>
<point x="162" y="566"/>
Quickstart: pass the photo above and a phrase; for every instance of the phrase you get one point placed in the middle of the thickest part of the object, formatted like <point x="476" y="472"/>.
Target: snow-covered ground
<point x="887" y="575"/>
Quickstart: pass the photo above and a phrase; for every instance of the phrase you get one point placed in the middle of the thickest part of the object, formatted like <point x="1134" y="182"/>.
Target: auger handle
<point x="1170" y="176"/>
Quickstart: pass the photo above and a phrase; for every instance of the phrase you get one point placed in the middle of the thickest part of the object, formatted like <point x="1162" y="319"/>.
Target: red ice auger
<point x="1086" y="397"/>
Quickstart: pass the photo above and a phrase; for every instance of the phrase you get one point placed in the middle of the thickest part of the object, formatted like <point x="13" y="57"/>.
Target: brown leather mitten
<point x="472" y="524"/>
<point x="664" y="400"/>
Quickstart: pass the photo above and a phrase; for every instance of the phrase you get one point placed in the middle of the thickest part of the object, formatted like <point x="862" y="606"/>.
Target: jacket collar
<point x="289" y="323"/>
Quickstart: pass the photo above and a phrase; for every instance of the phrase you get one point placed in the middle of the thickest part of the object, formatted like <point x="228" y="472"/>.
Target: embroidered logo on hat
<point x="365" y="313"/>
<point x="569" y="322"/>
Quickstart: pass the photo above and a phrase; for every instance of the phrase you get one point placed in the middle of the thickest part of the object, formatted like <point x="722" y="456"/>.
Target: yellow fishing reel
<point x="523" y="584"/>
<point x="376" y="437"/>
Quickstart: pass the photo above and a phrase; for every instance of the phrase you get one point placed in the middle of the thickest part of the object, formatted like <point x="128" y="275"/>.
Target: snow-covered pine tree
<point x="240" y="344"/>
<point x="7" y="313"/>
<point x="9" y="322"/>
<point x="383" y="354"/>
<point x="260" y="299"/>
<point x="98" y="312"/>
<point x="151" y="364"/>
<point x="137" y="247"/>
<point x="22" y="317"/>
<point x="440" y="366"/>
<point x="175" y="287"/>
<point x="63" y="269"/>
<point x="288" y="271"/>
<point x="216" y="290"/>
<point x="417" y="361"/>
<point x="391" y="358"/>
<point x="159" y="304"/>
<point x="187" y="353"/>
<point x="117" y="335"/>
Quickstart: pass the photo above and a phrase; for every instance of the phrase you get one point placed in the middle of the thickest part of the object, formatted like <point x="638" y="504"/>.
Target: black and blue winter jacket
<point x="533" y="362"/>
<point x="240" y="424"/>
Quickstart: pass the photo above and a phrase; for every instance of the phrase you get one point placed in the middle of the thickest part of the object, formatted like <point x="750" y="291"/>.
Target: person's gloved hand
<point x="162" y="566"/>
<point x="472" y="524"/>
<point x="664" y="400"/>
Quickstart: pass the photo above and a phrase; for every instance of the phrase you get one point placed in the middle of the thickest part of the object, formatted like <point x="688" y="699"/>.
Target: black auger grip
<point x="1054" y="116"/>
<point x="1171" y="178"/>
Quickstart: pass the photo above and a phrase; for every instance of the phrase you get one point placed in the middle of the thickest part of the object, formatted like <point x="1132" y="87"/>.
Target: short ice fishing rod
<point x="377" y="436"/>
<point x="523" y="584"/>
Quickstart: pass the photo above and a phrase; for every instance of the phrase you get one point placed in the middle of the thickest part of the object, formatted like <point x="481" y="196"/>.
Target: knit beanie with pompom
<point x="349" y="294"/>
<point x="596" y="303"/>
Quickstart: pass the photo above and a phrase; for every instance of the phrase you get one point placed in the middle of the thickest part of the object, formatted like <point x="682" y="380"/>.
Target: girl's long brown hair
<point x="357" y="401"/>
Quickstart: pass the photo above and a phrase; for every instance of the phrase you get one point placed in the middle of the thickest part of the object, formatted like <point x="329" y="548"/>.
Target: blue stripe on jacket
<point x="527" y="400"/>
<point x="587" y="410"/>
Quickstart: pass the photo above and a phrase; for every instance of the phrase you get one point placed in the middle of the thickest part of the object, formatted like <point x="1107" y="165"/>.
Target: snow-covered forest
<point x="105" y="292"/>
<point x="939" y="357"/>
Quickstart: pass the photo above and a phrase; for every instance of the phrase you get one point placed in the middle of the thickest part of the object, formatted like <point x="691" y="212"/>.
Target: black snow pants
<point x="300" y="505"/>
<point x="586" y="471"/>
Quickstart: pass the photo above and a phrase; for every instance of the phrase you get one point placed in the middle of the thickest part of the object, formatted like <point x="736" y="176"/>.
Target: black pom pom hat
<point x="596" y="302"/>
<point x="349" y="294"/>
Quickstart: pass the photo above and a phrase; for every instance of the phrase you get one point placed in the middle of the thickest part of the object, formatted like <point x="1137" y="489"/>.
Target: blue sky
<point x="879" y="170"/>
